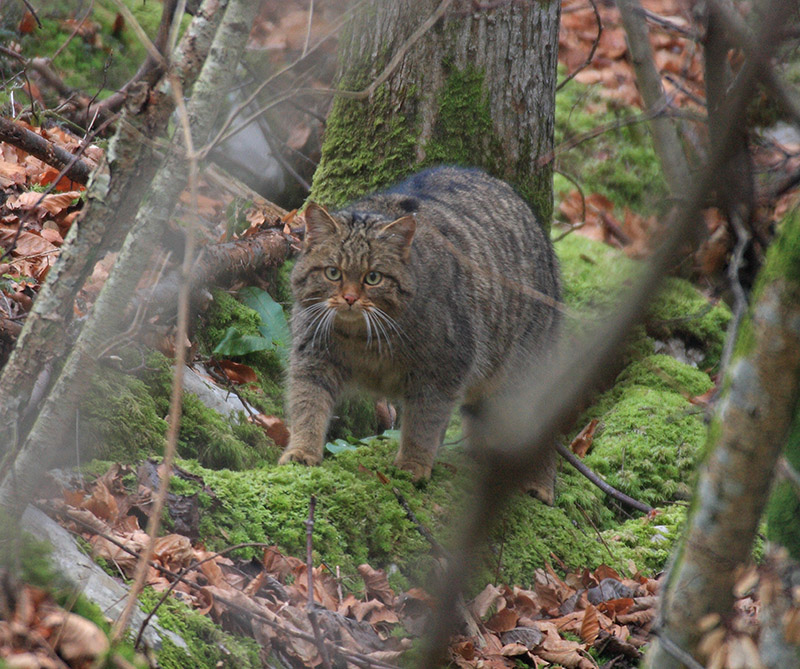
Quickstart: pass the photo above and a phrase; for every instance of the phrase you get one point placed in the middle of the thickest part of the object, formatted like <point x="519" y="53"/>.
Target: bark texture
<point x="745" y="441"/>
<point x="476" y="89"/>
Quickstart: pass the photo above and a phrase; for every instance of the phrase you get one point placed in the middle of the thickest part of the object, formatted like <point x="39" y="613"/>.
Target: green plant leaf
<point x="235" y="343"/>
<point x="339" y="445"/>
<point x="273" y="320"/>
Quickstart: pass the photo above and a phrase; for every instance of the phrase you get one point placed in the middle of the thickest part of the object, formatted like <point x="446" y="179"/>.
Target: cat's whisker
<point x="321" y="319"/>
<point x="381" y="315"/>
<point x="369" y="327"/>
<point x="379" y="327"/>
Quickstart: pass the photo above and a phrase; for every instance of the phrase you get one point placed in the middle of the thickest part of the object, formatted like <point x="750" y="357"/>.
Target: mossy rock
<point x="358" y="518"/>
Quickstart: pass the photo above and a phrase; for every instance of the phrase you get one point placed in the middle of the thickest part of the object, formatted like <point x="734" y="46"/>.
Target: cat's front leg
<point x="425" y="420"/>
<point x="313" y="391"/>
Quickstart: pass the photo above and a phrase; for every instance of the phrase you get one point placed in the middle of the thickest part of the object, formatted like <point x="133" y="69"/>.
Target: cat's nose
<point x="350" y="298"/>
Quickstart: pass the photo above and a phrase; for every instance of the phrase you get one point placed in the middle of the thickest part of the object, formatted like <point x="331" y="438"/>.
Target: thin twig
<point x="310" y="605"/>
<point x="576" y="462"/>
<point x="308" y="27"/>
<point x="33" y="12"/>
<point x="596" y="530"/>
<point x="424" y="531"/>
<point x="590" y="57"/>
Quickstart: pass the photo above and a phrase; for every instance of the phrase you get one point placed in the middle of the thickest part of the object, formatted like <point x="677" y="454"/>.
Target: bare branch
<point x="45" y="150"/>
<point x="666" y="139"/>
<point x="610" y="490"/>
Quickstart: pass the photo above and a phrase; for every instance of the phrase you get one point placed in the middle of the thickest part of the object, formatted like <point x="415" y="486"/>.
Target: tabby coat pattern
<point x="432" y="293"/>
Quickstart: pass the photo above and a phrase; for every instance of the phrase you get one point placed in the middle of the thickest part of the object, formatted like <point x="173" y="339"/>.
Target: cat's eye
<point x="373" y="278"/>
<point x="332" y="273"/>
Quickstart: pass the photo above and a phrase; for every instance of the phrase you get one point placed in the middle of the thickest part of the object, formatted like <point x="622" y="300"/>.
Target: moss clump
<point x="648" y="542"/>
<point x="595" y="277"/>
<point x="663" y="372"/>
<point x="359" y="520"/>
<point x="648" y="444"/>
<point x="368" y="145"/>
<point x="207" y="644"/>
<point x="205" y="435"/>
<point x="680" y="311"/>
<point x="125" y="422"/>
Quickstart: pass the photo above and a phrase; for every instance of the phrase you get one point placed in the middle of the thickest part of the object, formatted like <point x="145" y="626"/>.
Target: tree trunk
<point x="477" y="88"/>
<point x="745" y="441"/>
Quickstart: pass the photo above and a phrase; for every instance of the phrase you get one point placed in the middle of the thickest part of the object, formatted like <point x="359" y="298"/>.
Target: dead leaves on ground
<point x="36" y="632"/>
<point x="269" y="600"/>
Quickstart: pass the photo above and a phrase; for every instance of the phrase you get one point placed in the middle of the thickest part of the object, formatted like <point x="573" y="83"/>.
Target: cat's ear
<point x="319" y="224"/>
<point x="402" y="230"/>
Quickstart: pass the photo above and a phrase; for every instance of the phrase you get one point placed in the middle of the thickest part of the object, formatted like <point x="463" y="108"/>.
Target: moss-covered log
<point x="477" y="89"/>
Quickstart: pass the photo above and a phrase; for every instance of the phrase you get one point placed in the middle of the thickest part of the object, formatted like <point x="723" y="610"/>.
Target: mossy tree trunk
<point x="783" y="510"/>
<point x="476" y="89"/>
<point x="745" y="440"/>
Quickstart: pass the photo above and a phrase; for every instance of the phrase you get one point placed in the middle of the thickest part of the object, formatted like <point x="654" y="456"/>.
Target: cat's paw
<point x="419" y="471"/>
<point x="301" y="456"/>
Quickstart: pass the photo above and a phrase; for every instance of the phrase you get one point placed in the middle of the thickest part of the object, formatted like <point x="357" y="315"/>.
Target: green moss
<point x="663" y="372"/>
<point x="354" y="417"/>
<point x="648" y="542"/>
<point x="595" y="276"/>
<point x="647" y="444"/>
<point x="680" y="311"/>
<point x="783" y="509"/>
<point x="104" y="57"/>
<point x="225" y="312"/>
<point x="207" y="644"/>
<point x="125" y="422"/>
<point x="463" y="133"/>
<point x="358" y="518"/>
<point x="368" y="145"/>
<point x="205" y="435"/>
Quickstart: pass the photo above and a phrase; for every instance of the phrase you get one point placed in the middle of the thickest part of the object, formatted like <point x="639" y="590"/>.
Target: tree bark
<point x="108" y="214"/>
<point x="140" y="246"/>
<point x="745" y="441"/>
<point x="476" y="89"/>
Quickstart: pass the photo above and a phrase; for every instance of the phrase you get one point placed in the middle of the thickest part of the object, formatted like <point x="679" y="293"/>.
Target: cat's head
<point x="355" y="263"/>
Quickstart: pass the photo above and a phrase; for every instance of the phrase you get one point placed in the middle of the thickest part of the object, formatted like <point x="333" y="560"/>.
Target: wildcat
<point x="432" y="293"/>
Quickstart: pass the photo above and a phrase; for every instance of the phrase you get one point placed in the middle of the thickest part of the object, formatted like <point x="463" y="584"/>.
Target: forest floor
<point x="554" y="606"/>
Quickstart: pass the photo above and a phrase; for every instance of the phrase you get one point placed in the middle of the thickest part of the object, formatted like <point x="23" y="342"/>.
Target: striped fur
<point x="467" y="295"/>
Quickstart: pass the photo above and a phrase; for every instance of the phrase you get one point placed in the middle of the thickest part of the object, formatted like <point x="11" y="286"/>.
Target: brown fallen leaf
<point x="583" y="441"/>
<point x="377" y="583"/>
<point x="503" y="621"/>
<point x="77" y="640"/>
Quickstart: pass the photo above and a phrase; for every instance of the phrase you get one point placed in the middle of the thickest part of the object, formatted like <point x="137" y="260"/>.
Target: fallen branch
<point x="45" y="150"/>
<point x="610" y="490"/>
